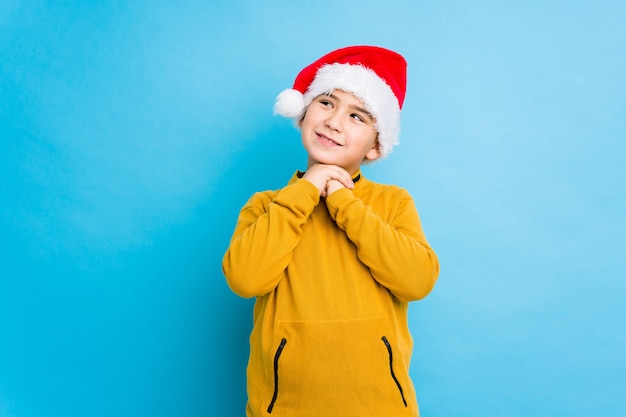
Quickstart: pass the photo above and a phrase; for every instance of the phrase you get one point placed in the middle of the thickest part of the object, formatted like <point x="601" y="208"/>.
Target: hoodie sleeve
<point x="267" y="231"/>
<point x="394" y="248"/>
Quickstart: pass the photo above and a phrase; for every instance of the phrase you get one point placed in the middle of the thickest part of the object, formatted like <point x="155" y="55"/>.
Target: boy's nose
<point x="334" y="121"/>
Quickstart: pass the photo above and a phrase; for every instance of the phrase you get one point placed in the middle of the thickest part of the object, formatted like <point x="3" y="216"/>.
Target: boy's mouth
<point x="325" y="140"/>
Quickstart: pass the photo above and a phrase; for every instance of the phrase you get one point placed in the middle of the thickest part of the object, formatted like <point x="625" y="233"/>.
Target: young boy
<point x="332" y="258"/>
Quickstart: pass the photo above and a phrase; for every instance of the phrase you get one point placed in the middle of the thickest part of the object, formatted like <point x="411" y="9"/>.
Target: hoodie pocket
<point x="335" y="368"/>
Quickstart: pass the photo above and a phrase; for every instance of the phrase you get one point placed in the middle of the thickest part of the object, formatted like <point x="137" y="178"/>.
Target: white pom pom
<point x="289" y="103"/>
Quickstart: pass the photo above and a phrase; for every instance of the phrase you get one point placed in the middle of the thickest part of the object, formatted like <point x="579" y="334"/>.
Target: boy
<point x="332" y="258"/>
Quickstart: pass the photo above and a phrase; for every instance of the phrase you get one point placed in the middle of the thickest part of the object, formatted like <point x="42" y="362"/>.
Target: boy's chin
<point x="322" y="161"/>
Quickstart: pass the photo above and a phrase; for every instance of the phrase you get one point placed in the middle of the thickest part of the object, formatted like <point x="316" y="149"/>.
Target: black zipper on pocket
<point x="283" y="342"/>
<point x="393" y="375"/>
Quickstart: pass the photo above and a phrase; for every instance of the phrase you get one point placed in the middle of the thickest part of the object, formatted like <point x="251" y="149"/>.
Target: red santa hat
<point x="376" y="76"/>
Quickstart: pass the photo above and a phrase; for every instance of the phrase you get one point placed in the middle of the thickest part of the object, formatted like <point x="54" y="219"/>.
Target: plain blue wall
<point x="131" y="133"/>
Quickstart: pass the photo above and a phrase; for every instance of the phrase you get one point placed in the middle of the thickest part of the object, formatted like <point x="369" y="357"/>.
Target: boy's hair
<point x="375" y="75"/>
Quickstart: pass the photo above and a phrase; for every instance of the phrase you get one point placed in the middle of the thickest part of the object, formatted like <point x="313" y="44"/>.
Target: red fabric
<point x="388" y="65"/>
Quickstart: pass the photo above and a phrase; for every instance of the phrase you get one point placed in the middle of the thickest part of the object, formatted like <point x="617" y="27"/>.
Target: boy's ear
<point x="374" y="153"/>
<point x="301" y="120"/>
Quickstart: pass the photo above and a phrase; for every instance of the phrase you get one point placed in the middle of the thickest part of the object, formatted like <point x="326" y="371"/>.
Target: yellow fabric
<point x="332" y="279"/>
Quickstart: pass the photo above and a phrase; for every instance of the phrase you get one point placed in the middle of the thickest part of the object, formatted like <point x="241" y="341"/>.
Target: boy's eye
<point x="325" y="102"/>
<point x="357" y="117"/>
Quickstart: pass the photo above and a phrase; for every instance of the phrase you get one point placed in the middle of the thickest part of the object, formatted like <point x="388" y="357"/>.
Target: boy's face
<point x="338" y="130"/>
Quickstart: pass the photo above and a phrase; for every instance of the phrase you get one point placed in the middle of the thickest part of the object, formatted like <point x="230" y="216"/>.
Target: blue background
<point x="132" y="133"/>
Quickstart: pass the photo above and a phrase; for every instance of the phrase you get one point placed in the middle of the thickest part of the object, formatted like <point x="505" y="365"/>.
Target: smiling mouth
<point x="325" y="140"/>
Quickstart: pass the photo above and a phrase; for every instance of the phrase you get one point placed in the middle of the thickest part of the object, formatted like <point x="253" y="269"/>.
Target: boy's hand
<point x="332" y="186"/>
<point x="328" y="178"/>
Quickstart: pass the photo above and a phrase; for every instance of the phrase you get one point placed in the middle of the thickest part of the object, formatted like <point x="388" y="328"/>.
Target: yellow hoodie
<point x="332" y="278"/>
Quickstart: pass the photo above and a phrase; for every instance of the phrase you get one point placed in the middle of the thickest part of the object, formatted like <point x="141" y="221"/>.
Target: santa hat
<point x="377" y="76"/>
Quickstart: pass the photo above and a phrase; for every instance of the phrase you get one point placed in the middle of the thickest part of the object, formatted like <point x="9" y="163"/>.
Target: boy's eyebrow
<point x="355" y="107"/>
